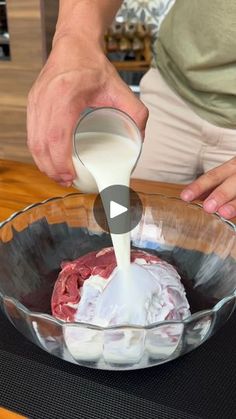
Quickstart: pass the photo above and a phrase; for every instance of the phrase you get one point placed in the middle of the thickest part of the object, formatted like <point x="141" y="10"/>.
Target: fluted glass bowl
<point x="34" y="242"/>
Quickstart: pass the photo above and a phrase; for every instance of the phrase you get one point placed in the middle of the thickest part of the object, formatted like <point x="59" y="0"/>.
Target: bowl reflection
<point x="35" y="241"/>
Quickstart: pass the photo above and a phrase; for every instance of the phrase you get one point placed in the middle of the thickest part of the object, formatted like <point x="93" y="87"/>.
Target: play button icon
<point x="118" y="209"/>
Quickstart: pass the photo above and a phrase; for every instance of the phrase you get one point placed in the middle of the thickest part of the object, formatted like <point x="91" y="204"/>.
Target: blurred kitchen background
<point x="26" y="32"/>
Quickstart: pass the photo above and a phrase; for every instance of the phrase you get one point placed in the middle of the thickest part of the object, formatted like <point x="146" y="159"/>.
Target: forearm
<point x="86" y="18"/>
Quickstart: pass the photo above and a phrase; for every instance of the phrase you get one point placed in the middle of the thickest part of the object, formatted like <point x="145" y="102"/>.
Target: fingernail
<point x="66" y="177"/>
<point x="210" y="206"/>
<point x="227" y="211"/>
<point x="187" y="195"/>
<point x="66" y="184"/>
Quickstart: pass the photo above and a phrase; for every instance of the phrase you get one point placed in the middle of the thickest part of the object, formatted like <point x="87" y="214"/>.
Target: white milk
<point x="110" y="159"/>
<point x="133" y="294"/>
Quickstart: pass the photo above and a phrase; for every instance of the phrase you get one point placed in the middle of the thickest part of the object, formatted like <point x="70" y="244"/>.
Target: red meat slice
<point x="66" y="293"/>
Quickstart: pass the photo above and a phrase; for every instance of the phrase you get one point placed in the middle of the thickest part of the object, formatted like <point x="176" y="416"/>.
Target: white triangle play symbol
<point x="116" y="209"/>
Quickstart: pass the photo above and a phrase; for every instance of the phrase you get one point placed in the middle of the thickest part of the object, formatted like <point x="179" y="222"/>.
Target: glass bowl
<point x="35" y="241"/>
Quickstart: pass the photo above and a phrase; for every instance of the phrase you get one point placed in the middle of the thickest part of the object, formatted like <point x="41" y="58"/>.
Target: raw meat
<point x="86" y="291"/>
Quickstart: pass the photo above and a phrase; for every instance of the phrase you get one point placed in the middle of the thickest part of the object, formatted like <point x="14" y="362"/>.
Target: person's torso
<point x="197" y="56"/>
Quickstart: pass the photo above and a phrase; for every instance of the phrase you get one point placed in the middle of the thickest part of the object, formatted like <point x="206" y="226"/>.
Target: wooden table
<point x="22" y="184"/>
<point x="6" y="414"/>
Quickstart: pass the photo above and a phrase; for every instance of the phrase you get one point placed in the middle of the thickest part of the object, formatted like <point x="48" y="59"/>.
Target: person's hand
<point x="76" y="76"/>
<point x="217" y="188"/>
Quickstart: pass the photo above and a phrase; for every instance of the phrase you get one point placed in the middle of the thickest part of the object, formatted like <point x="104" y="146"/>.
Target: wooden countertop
<point x="6" y="414"/>
<point x="22" y="184"/>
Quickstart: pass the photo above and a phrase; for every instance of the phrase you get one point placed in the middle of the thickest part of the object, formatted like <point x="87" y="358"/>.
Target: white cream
<point x="154" y="284"/>
<point x="151" y="288"/>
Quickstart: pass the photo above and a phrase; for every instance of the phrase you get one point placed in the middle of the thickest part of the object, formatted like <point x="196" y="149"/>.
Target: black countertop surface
<point x="40" y="386"/>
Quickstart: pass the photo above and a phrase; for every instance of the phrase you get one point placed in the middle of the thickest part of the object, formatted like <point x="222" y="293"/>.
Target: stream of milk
<point x="111" y="159"/>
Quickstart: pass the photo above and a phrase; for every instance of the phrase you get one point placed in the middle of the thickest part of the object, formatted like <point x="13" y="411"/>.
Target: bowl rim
<point x="191" y="318"/>
<point x="195" y="317"/>
<point x="61" y="198"/>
